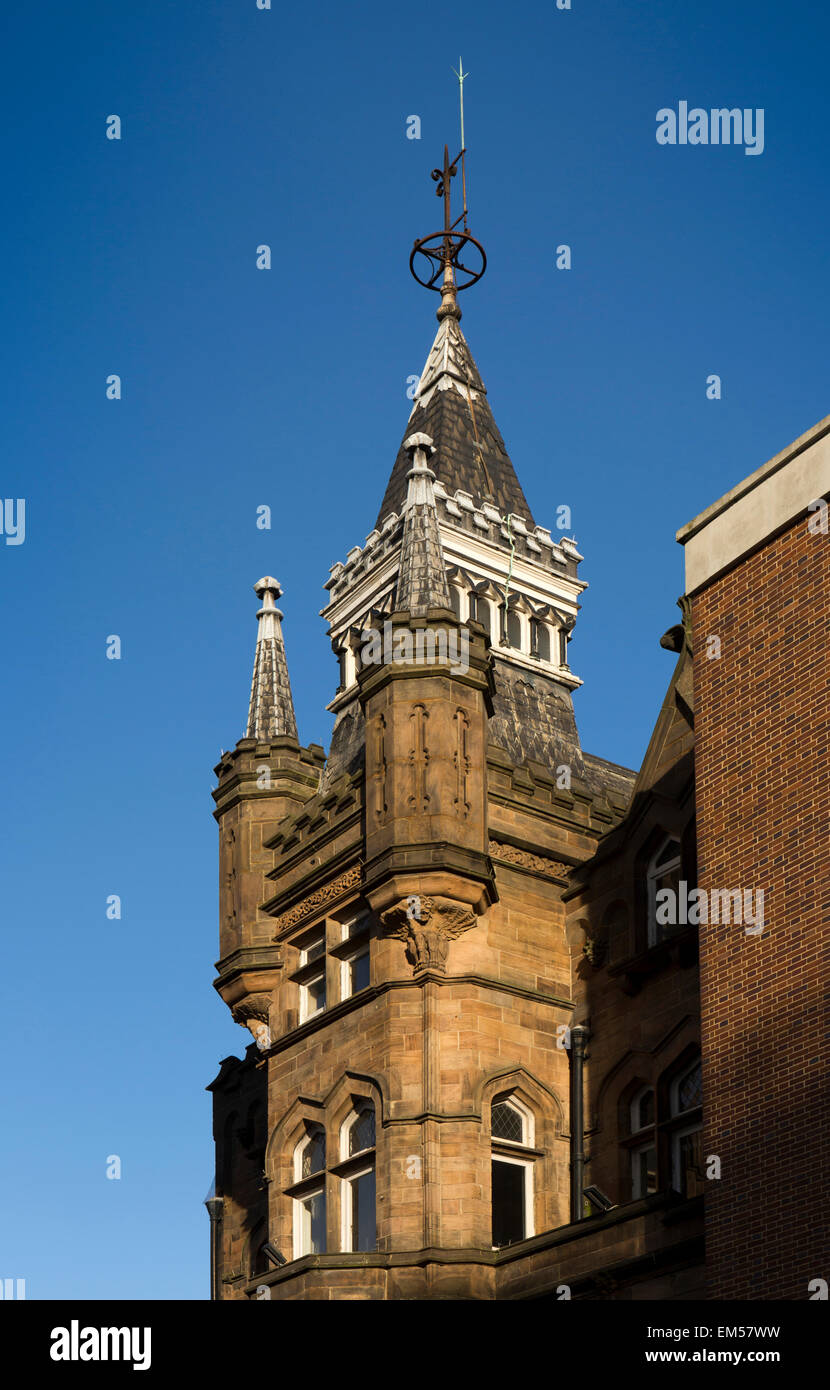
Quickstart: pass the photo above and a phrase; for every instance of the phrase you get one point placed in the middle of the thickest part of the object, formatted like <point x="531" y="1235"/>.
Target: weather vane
<point x="442" y="251"/>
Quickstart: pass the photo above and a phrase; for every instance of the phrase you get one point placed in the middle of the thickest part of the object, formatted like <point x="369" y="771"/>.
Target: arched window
<point x="358" y="1190"/>
<point x="480" y="611"/>
<point x="539" y="640"/>
<point x="455" y="600"/>
<point x="511" y="1132"/>
<point x="686" y="1109"/>
<point x="514" y="631"/>
<point x="643" y="1155"/>
<point x="309" y="1193"/>
<point x="663" y="876"/>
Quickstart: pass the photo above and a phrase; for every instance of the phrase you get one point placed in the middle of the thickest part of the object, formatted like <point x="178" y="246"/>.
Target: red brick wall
<point x="762" y="717"/>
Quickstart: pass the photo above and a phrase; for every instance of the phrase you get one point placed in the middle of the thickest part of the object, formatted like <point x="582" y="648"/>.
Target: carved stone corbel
<point x="427" y="926"/>
<point x="252" y="1012"/>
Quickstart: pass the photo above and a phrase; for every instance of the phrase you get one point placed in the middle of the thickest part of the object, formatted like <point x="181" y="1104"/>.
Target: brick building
<point x="494" y="1053"/>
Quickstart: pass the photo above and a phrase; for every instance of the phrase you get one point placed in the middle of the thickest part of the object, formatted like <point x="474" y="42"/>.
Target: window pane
<point x="508" y="1202"/>
<point x="364" y="1230"/>
<point x="314" y="948"/>
<point x="514" y="630"/>
<point x="362" y="1132"/>
<point x="359" y="972"/>
<point x="506" y="1123"/>
<point x="644" y="1172"/>
<point x="314" y="1224"/>
<point x="645" y="1110"/>
<point x="670" y="851"/>
<point x="543" y="642"/>
<point x="314" y="1155"/>
<point x="689" y="1175"/>
<point x="690" y="1089"/>
<point x="315" y="995"/>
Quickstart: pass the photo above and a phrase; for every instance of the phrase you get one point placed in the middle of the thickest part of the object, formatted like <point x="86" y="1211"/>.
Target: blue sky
<point x="287" y="387"/>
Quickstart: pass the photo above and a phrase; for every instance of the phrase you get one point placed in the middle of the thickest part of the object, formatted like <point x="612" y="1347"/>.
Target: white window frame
<point x="302" y="1218"/>
<point x="369" y="1166"/>
<point x="527" y="1164"/>
<point x="515" y="1156"/>
<point x="347" y="1212"/>
<point x="655" y="932"/>
<point x="347" y="1125"/>
<point x="364" y="948"/>
<point x="525" y="1114"/>
<point x="306" y="1012"/>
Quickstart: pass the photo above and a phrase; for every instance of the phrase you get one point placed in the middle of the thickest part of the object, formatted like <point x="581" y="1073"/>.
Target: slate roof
<point x="450" y="405"/>
<point x="271" y="709"/>
<point x="422" y="579"/>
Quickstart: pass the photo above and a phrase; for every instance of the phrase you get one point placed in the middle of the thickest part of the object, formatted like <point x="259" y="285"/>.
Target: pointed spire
<point x="271" y="711"/>
<point x="422" y="579"/>
<point x="450" y="405"/>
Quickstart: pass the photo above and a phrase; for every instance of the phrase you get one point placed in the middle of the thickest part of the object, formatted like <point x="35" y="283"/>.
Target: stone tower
<point x="392" y="929"/>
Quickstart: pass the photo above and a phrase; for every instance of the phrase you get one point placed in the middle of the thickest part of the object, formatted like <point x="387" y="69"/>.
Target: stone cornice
<point x="321" y="897"/>
<point x="529" y="861"/>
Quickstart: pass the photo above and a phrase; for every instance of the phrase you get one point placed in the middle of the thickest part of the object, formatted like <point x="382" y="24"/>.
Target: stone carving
<point x="462" y="763"/>
<point x="553" y="868"/>
<point x="595" y="949"/>
<point x="350" y="879"/>
<point x="427" y="926"/>
<point x="254" y="1006"/>
<point x="229" y="910"/>
<point x="418" y="760"/>
<point x="252" y="1013"/>
<point x="379" y="773"/>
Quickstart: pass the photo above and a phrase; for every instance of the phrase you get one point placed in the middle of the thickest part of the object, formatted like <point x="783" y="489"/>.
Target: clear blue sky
<point x="287" y="387"/>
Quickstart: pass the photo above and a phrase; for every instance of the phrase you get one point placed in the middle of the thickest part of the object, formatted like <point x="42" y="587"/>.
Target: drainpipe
<point x="214" y="1207"/>
<point x="579" y="1037"/>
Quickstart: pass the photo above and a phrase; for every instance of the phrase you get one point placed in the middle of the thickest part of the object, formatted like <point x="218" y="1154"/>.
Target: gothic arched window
<point x="511" y="1132"/>
<point x="686" y="1110"/>
<point x="663" y="876"/>
<point x="644" y="1154"/>
<point x="539" y="640"/>
<point x="358" y="1186"/>
<point x="309" y="1193"/>
<point x="480" y="611"/>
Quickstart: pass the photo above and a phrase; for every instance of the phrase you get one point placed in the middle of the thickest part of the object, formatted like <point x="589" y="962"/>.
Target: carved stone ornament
<point x="350" y="879"/>
<point x="252" y="1010"/>
<point x="523" y="857"/>
<point x="595" y="949"/>
<point x="427" y="926"/>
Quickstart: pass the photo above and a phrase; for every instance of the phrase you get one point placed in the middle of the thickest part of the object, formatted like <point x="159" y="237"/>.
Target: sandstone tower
<point x="392" y="929"/>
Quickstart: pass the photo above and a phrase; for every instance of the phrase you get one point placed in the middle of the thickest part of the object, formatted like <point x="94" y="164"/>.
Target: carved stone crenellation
<point x="427" y="926"/>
